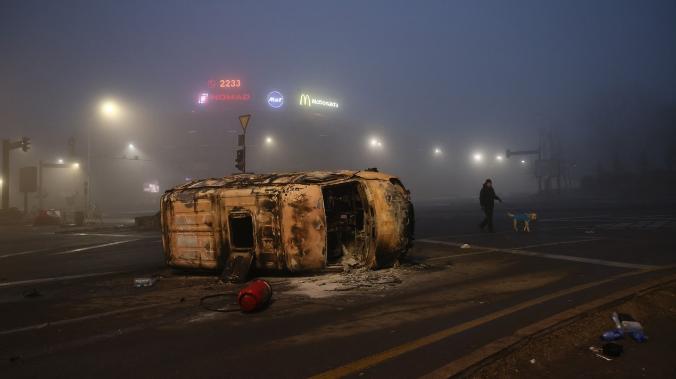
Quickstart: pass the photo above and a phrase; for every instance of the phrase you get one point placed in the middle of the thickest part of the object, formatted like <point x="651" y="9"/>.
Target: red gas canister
<point x="254" y="296"/>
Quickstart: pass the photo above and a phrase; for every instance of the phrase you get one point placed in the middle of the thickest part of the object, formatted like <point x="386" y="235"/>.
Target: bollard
<point x="255" y="296"/>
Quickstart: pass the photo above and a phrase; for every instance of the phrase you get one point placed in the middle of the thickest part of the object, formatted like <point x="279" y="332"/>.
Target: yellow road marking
<point x="396" y="351"/>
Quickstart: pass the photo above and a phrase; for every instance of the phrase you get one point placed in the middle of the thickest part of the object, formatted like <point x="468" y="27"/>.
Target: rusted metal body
<point x="293" y="222"/>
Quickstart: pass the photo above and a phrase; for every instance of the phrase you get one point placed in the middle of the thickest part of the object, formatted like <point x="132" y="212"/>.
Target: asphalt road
<point x="68" y="307"/>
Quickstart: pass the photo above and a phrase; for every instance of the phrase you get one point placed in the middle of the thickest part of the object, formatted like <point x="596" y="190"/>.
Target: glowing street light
<point x="437" y="151"/>
<point x="523" y="162"/>
<point x="498" y="158"/>
<point x="59" y="161"/>
<point x="76" y="166"/>
<point x="269" y="141"/>
<point x="109" y="108"/>
<point x="478" y="157"/>
<point x="375" y="143"/>
<point x="131" y="146"/>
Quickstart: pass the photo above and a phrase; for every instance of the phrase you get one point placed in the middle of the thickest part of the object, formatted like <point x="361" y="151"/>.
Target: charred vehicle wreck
<point x="290" y="222"/>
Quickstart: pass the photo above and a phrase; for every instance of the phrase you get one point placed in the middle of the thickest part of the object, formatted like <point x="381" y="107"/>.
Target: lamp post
<point x="108" y="109"/>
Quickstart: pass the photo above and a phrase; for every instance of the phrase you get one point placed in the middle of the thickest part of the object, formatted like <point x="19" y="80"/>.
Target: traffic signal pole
<point x="7" y="146"/>
<point x="5" y="173"/>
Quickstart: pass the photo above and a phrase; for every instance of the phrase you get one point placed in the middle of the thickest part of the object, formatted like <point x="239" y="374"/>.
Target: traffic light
<point x="25" y="144"/>
<point x="239" y="160"/>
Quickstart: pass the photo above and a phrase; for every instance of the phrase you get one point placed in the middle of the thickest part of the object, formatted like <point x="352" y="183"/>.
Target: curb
<point x="469" y="364"/>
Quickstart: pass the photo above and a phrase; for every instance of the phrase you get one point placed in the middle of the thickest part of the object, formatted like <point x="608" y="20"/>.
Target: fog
<point x="464" y="77"/>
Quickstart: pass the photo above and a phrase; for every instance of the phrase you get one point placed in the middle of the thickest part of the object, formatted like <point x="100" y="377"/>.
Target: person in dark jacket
<point x="487" y="199"/>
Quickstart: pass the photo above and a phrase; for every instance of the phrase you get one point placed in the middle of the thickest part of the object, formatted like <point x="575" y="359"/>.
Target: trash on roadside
<point x="599" y="353"/>
<point x="465" y="246"/>
<point x="32" y="293"/>
<point x="612" y="349"/>
<point x="612" y="335"/>
<point x="624" y="324"/>
<point x="631" y="326"/>
<point x="144" y="282"/>
<point x="255" y="296"/>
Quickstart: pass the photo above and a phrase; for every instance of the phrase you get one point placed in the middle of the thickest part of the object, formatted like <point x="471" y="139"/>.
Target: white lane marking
<point x="101" y="234"/>
<point x="460" y="255"/>
<point x="571" y="258"/>
<point x="87" y="248"/>
<point x="83" y="318"/>
<point x="23" y="253"/>
<point x="56" y="279"/>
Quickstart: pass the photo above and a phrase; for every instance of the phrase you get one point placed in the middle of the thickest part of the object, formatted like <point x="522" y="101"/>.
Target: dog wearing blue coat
<point x="525" y="218"/>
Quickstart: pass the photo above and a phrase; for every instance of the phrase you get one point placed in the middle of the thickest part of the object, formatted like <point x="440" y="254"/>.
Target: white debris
<point x="465" y="246"/>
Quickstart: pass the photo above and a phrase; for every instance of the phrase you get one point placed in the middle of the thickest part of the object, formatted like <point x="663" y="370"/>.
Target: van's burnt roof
<point x="272" y="179"/>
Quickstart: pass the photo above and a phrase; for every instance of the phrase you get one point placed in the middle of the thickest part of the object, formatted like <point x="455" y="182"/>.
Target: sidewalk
<point x="565" y="352"/>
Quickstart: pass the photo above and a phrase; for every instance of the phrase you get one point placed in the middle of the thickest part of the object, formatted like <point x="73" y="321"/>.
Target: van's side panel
<point x="303" y="227"/>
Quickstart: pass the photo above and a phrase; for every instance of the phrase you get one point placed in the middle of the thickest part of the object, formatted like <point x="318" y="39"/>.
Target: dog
<point x="526" y="218"/>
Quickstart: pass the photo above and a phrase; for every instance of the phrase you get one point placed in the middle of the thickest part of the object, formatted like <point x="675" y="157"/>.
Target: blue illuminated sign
<point x="275" y="99"/>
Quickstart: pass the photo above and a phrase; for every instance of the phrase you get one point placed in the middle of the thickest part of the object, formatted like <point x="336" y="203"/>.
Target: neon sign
<point x="306" y="100"/>
<point x="229" y="96"/>
<point x="224" y="83"/>
<point x="275" y="99"/>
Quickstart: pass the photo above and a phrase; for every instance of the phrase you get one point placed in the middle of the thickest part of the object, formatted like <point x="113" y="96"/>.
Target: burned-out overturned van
<point x="293" y="222"/>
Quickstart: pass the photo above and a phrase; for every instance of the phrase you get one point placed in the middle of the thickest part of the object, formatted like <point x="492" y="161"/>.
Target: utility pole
<point x="25" y="145"/>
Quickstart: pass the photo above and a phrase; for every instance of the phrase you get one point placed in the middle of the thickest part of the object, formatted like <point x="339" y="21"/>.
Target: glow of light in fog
<point x="523" y="161"/>
<point x="375" y="143"/>
<point x="109" y="109"/>
<point x="437" y="151"/>
<point x="478" y="157"/>
<point x="0" y="182"/>
<point x="203" y="98"/>
<point x="59" y="161"/>
<point x="498" y="158"/>
<point x="76" y="165"/>
<point x="269" y="141"/>
<point x="131" y="146"/>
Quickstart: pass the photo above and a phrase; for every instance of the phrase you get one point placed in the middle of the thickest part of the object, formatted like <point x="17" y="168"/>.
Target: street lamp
<point x="375" y="143"/>
<point x="437" y="151"/>
<point x="76" y="165"/>
<point x="108" y="109"/>
<point x="131" y="146"/>
<point x="478" y="157"/>
<point x="60" y="161"/>
<point x="499" y="158"/>
<point x="269" y="141"/>
<point x="523" y="162"/>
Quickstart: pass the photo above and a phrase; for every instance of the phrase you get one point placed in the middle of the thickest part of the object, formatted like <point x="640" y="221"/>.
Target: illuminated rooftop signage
<point x="275" y="99"/>
<point x="307" y="100"/>
<point x="224" y="83"/>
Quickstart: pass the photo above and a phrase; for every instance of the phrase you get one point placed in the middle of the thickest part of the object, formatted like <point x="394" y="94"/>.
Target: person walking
<point x="487" y="199"/>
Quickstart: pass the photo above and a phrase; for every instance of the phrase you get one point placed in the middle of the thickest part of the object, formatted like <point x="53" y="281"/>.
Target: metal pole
<point x="244" y="149"/>
<point x="88" y="183"/>
<point x="39" y="185"/>
<point x="5" y="174"/>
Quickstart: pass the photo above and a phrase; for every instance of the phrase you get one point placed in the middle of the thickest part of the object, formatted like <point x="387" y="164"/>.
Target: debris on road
<point x="144" y="282"/>
<point x="625" y="324"/>
<point x="598" y="352"/>
<point x="612" y="349"/>
<point x="465" y="246"/>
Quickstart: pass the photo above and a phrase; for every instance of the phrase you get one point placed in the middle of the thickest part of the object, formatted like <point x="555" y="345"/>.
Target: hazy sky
<point x="478" y="72"/>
